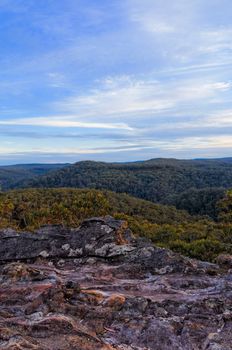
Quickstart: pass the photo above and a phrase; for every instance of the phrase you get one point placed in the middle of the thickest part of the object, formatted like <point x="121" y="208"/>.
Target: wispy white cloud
<point x="189" y="144"/>
<point x="128" y="97"/>
<point x="202" y="143"/>
<point x="152" y="24"/>
<point x="63" y="122"/>
<point x="216" y="40"/>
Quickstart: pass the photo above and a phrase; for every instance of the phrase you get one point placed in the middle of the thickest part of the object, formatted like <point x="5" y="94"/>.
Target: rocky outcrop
<point x="97" y="287"/>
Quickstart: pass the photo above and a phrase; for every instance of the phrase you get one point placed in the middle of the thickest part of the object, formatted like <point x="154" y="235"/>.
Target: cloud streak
<point x="63" y="122"/>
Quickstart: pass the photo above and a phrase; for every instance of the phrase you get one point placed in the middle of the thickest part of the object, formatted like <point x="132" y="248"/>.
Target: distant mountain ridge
<point x="195" y="185"/>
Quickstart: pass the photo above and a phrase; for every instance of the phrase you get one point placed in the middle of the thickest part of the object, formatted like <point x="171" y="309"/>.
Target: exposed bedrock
<point x="98" y="287"/>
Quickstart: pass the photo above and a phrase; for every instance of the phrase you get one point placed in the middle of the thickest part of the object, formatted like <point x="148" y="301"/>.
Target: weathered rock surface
<point x="97" y="287"/>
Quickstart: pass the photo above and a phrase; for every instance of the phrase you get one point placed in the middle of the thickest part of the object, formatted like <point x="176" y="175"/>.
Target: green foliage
<point x="35" y="207"/>
<point x="203" y="249"/>
<point x="225" y="208"/>
<point x="198" y="201"/>
<point x="11" y="175"/>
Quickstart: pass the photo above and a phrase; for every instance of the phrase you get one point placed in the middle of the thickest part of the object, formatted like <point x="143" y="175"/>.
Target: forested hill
<point x="195" y="185"/>
<point x="12" y="174"/>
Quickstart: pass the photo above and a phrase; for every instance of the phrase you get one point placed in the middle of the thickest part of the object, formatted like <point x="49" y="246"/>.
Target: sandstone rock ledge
<point x="98" y="288"/>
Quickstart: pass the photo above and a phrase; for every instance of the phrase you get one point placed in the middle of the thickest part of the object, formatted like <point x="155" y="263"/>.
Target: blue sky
<point x="115" y="80"/>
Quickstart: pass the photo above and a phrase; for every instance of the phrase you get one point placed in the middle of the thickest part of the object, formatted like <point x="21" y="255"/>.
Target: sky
<point x="117" y="80"/>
